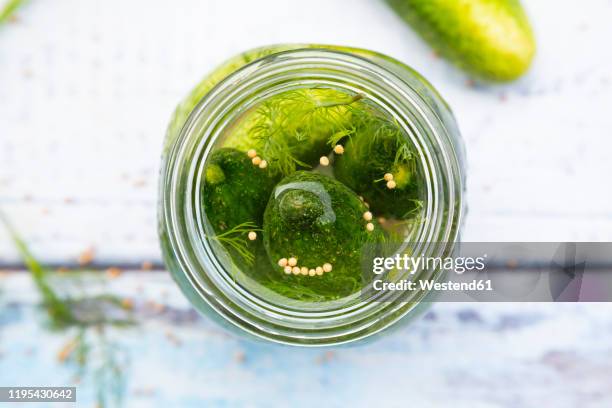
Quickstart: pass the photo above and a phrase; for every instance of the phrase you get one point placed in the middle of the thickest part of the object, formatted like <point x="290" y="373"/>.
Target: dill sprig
<point x="65" y="311"/>
<point x="287" y="128"/>
<point x="338" y="136"/>
<point x="416" y="211"/>
<point x="270" y="130"/>
<point x="386" y="131"/>
<point x="9" y="8"/>
<point x="58" y="310"/>
<point x="236" y="238"/>
<point x="368" y="119"/>
<point x="404" y="153"/>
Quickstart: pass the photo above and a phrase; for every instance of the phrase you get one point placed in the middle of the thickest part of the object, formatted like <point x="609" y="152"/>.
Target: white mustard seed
<point x="292" y="261"/>
<point x="311" y="272"/>
<point x="319" y="271"/>
<point x="388" y="177"/>
<point x="288" y="269"/>
<point x="256" y="160"/>
<point x="327" y="267"/>
<point x="370" y="226"/>
<point x="324" y="161"/>
<point x="296" y="270"/>
<point x="263" y="164"/>
<point x="282" y="262"/>
<point x="391" y="184"/>
<point x="304" y="270"/>
<point x="338" y="149"/>
<point x="251" y="153"/>
<point x="367" y="216"/>
<point x="252" y="235"/>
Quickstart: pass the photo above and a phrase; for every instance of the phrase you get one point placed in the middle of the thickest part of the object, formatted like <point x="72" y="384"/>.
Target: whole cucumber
<point x="490" y="39"/>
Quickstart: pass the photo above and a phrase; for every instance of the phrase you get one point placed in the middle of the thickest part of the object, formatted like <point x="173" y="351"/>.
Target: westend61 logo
<point x="460" y="264"/>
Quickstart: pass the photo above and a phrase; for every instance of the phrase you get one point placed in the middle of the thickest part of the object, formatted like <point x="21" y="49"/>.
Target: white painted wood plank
<point x="86" y="89"/>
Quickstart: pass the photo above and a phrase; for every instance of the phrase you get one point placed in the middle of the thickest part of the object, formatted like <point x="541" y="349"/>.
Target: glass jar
<point x="218" y="102"/>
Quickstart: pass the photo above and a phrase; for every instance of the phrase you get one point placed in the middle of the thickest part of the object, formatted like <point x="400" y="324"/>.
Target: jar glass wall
<point x="283" y="166"/>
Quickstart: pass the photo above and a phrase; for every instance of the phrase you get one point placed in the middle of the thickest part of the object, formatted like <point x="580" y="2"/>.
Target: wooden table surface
<point x="464" y="355"/>
<point x="86" y="90"/>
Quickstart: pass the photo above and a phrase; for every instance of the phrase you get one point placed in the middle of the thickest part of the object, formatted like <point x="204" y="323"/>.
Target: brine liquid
<point x="299" y="185"/>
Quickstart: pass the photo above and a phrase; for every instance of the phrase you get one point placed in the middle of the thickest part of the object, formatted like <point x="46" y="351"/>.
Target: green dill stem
<point x="354" y="99"/>
<point x="236" y="242"/>
<point x="58" y="310"/>
<point x="244" y="227"/>
<point x="9" y="8"/>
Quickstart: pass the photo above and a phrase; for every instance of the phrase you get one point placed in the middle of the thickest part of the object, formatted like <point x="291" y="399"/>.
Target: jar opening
<point x="341" y="85"/>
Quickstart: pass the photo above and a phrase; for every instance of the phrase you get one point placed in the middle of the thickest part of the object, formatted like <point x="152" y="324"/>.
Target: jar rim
<point x="205" y="275"/>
